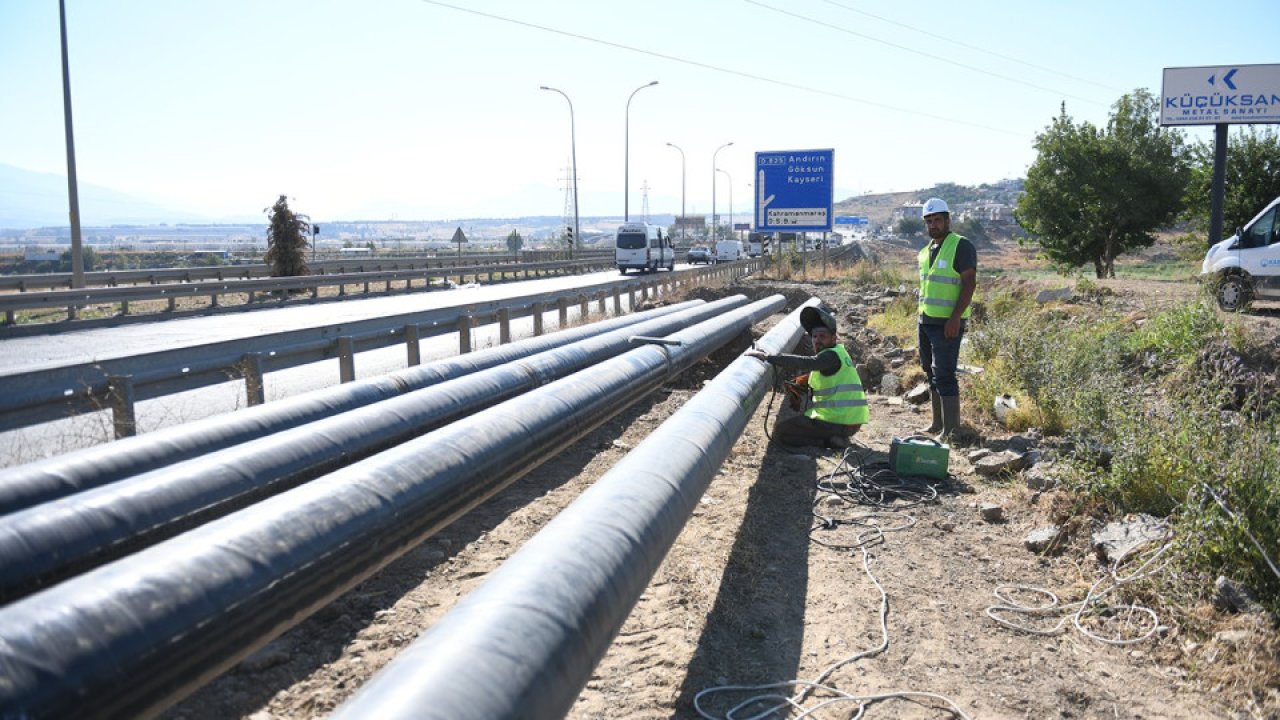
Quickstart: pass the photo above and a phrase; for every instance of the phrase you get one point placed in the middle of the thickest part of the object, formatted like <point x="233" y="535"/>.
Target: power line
<point x="963" y="44"/>
<point x="727" y="71"/>
<point x="922" y="53"/>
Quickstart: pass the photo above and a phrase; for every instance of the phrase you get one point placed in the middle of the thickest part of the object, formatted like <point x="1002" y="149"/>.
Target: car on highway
<point x="699" y="255"/>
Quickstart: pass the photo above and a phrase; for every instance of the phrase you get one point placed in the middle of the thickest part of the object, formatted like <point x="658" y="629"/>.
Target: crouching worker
<point x="839" y="406"/>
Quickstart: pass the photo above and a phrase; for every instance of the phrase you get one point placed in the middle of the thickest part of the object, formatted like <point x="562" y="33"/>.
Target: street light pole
<point x="73" y="193"/>
<point x="682" y="176"/>
<point x="573" y="152"/>
<point x="730" y="198"/>
<point x="626" y="152"/>
<point x="713" y="189"/>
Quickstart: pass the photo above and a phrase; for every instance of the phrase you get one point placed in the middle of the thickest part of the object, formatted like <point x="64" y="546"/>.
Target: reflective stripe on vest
<point x="839" y="398"/>
<point x="940" y="283"/>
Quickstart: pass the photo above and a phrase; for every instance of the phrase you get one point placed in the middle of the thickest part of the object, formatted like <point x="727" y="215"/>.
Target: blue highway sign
<point x="794" y="190"/>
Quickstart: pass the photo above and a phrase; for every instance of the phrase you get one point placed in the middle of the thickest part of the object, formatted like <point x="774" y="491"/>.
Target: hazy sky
<point x="416" y="109"/>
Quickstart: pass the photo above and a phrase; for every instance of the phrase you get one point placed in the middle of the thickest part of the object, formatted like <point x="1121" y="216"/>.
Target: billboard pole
<point x="1219" y="189"/>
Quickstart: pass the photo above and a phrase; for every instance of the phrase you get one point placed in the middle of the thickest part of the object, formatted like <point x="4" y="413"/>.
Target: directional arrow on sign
<point x="1227" y="78"/>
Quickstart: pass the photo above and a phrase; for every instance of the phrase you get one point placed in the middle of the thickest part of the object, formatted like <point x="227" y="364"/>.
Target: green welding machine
<point x="919" y="455"/>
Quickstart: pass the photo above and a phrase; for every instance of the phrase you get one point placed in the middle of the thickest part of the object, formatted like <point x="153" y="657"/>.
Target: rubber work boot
<point x="936" y="400"/>
<point x="950" y="416"/>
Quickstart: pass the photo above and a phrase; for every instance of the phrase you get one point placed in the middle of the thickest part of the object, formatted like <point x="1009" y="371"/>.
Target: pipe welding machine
<point x="919" y="455"/>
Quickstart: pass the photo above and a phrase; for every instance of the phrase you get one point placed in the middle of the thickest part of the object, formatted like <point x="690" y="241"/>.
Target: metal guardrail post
<point x="584" y="308"/>
<point x="600" y="300"/>
<point x="254" y="388"/>
<point x="617" y="302"/>
<point x="213" y="300"/>
<point x="465" y="323"/>
<point x="504" y="326"/>
<point x="538" y="311"/>
<point x="412" y="346"/>
<point x="120" y="396"/>
<point x="563" y="306"/>
<point x="124" y="307"/>
<point x="346" y="359"/>
<point x="71" y="312"/>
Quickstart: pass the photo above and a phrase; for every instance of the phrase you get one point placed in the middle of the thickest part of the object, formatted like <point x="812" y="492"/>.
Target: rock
<point x="890" y="384"/>
<point x="919" y="394"/>
<point x="1000" y="463"/>
<point x="944" y="524"/>
<point x="1231" y="596"/>
<point x="1059" y="295"/>
<point x="1045" y="539"/>
<point x="978" y="454"/>
<point x="1042" y="476"/>
<point x="1117" y="539"/>
<point x="991" y="512"/>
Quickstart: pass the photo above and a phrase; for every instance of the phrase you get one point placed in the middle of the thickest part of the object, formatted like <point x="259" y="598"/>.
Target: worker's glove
<point x="797" y="389"/>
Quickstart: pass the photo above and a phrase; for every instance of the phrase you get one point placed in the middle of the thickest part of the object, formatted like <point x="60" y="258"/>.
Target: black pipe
<point x="526" y="641"/>
<point x="51" y="541"/>
<point x="44" y="480"/>
<point x="133" y="636"/>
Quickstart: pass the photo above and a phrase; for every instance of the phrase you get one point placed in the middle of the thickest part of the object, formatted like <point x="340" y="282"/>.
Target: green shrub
<point x="1134" y="392"/>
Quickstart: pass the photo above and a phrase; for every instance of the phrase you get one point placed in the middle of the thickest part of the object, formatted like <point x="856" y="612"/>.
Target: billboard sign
<point x="1230" y="94"/>
<point x="794" y="190"/>
<point x="850" y="220"/>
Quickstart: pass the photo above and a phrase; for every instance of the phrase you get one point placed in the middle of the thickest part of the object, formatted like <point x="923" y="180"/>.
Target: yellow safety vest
<point x="940" y="284"/>
<point x="839" y="398"/>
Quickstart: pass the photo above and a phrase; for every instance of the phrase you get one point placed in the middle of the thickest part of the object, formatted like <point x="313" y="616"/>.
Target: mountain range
<point x="32" y="199"/>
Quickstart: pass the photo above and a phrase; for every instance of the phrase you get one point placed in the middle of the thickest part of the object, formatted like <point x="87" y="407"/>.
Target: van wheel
<point x="1234" y="293"/>
<point x="622" y="270"/>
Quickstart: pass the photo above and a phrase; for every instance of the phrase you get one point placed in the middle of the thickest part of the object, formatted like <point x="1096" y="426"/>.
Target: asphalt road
<point x="24" y="354"/>
<point x="89" y="345"/>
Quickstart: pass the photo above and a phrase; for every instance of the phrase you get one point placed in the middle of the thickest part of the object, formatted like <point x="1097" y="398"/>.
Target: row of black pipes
<point x="133" y="635"/>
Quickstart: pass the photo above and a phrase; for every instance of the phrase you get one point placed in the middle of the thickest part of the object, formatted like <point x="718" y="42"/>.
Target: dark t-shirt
<point x="966" y="259"/>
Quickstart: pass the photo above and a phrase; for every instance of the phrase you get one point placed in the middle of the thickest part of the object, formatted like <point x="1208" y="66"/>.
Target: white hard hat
<point x="935" y="205"/>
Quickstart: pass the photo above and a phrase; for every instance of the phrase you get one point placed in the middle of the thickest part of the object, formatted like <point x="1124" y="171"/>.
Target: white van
<point x="729" y="251"/>
<point x="1247" y="264"/>
<point x="641" y="246"/>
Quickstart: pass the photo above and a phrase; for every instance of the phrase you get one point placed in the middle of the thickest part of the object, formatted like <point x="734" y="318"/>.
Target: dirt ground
<point x="753" y="594"/>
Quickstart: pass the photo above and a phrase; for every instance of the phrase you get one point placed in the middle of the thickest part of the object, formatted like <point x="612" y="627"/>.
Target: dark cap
<point x="812" y="317"/>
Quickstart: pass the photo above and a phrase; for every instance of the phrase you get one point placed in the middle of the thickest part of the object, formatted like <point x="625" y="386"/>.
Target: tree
<point x="514" y="242"/>
<point x="910" y="226"/>
<point x="287" y="240"/>
<point x="1092" y="195"/>
<point x="1252" y="178"/>
<point x="972" y="229"/>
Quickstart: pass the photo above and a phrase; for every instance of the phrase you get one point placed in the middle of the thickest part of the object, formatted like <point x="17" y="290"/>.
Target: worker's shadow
<point x="755" y="630"/>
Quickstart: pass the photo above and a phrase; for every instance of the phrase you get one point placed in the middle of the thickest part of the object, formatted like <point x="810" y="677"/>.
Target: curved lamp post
<point x="682" y="176"/>
<point x="626" y="160"/>
<point x="726" y="174"/>
<point x="713" y="189"/>
<point x="573" y="151"/>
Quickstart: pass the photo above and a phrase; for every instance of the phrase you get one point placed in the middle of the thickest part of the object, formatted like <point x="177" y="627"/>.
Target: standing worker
<point x="839" y="403"/>
<point x="948" y="276"/>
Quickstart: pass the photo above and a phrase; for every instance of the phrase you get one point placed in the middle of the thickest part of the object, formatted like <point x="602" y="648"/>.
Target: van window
<point x="1259" y="233"/>
<point x="631" y="240"/>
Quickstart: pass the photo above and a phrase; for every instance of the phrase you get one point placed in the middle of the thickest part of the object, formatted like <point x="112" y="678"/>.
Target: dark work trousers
<point x="939" y="356"/>
<point x="800" y="430"/>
